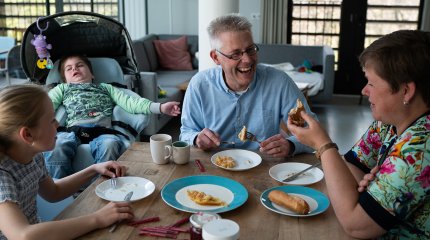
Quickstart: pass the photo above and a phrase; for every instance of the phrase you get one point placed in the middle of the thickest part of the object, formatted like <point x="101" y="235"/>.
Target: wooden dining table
<point x="255" y="220"/>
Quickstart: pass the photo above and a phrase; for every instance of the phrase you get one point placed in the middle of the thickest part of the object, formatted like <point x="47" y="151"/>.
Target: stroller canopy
<point x="85" y="33"/>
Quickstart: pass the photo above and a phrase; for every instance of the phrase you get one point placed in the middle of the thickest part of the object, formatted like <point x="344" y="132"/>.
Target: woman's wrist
<point x="324" y="147"/>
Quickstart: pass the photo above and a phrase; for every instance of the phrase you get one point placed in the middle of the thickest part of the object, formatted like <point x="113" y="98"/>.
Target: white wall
<point x="251" y="9"/>
<point x="181" y="16"/>
<point x="173" y="16"/>
<point x="134" y="19"/>
<point x="209" y="10"/>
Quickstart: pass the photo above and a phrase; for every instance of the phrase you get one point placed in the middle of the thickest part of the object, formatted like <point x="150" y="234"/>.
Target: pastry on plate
<point x="293" y="203"/>
<point x="225" y="161"/>
<point x="204" y="199"/>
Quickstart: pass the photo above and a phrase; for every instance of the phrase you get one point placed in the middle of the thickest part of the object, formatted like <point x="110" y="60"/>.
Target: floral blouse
<point x="399" y="197"/>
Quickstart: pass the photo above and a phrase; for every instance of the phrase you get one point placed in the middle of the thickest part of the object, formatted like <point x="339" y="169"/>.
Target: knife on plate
<point x="126" y="199"/>
<point x="294" y="176"/>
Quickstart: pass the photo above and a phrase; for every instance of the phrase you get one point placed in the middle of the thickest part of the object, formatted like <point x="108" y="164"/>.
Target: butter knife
<point x="126" y="199"/>
<point x="294" y="176"/>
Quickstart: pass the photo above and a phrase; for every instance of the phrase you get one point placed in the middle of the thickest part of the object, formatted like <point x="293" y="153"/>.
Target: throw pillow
<point x="173" y="54"/>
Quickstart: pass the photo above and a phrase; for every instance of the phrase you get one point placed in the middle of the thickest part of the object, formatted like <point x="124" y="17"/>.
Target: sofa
<point x="153" y="77"/>
<point x="320" y="56"/>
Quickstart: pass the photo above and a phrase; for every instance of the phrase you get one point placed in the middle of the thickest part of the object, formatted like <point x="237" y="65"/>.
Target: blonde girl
<point x="28" y="128"/>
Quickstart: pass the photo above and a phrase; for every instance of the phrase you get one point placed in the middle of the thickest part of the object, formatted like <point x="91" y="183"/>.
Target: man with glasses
<point x="220" y="101"/>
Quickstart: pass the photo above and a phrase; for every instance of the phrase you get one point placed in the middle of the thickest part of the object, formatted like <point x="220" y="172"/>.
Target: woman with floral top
<point x="390" y="164"/>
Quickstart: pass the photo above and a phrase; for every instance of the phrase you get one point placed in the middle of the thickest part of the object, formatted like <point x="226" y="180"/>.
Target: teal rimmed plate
<point x="318" y="201"/>
<point x="231" y="192"/>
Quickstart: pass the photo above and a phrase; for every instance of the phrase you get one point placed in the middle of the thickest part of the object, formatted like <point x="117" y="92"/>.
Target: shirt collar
<point x="228" y="90"/>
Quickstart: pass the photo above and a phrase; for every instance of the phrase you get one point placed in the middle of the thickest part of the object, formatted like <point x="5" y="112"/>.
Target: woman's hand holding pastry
<point x="277" y="146"/>
<point x="313" y="135"/>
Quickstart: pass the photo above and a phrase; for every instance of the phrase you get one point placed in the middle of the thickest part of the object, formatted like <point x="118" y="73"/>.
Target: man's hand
<point x="277" y="146"/>
<point x="207" y="139"/>
<point x="170" y="108"/>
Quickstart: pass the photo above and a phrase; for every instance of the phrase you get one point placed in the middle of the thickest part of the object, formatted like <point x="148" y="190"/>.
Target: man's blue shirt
<point x="209" y="103"/>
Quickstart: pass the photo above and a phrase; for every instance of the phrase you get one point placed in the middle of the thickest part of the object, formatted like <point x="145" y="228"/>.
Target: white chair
<point x="105" y="70"/>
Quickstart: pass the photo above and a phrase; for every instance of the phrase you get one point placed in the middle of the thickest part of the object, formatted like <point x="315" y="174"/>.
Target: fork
<point x="227" y="142"/>
<point x="251" y="137"/>
<point x="113" y="182"/>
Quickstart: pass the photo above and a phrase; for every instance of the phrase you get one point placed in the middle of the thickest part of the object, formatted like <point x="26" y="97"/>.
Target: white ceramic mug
<point x="161" y="148"/>
<point x="181" y="152"/>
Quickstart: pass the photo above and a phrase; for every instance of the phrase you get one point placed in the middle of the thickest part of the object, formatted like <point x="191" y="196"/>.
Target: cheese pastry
<point x="204" y="199"/>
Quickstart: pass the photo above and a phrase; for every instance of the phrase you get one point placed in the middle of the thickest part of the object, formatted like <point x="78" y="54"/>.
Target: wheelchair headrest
<point x="105" y="70"/>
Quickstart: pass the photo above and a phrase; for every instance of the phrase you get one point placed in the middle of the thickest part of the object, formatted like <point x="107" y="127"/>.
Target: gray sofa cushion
<point x="296" y="54"/>
<point x="173" y="78"/>
<point x="151" y="54"/>
<point x="141" y="58"/>
<point x="146" y="55"/>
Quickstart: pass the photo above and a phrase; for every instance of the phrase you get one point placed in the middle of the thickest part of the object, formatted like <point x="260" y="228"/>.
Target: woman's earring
<point x="32" y="143"/>
<point x="405" y="103"/>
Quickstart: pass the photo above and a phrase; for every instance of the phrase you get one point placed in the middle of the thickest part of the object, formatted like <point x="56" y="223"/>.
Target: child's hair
<point x="20" y="106"/>
<point x="63" y="60"/>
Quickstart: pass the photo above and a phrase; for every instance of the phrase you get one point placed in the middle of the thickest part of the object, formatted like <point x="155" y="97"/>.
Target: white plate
<point x="141" y="188"/>
<point x="318" y="201"/>
<point x="244" y="159"/>
<point x="284" y="170"/>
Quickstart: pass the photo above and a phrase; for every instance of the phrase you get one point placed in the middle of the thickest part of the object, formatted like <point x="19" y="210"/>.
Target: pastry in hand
<point x="295" y="116"/>
<point x="242" y="134"/>
<point x="204" y="199"/>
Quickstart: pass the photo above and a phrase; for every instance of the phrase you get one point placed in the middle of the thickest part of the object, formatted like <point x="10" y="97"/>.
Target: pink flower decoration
<point x="364" y="147"/>
<point x="387" y="168"/>
<point x="424" y="178"/>
<point x="374" y="140"/>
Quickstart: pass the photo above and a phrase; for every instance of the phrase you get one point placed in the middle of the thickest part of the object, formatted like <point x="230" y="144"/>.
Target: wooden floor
<point x="344" y="119"/>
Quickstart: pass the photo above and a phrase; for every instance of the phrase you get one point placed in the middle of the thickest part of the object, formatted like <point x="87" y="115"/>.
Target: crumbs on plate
<point x="292" y="173"/>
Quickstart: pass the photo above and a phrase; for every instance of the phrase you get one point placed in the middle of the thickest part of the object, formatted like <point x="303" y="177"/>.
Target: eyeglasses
<point x="251" y="51"/>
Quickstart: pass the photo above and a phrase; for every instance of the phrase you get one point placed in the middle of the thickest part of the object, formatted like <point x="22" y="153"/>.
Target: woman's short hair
<point x="20" y="106"/>
<point x="226" y="23"/>
<point x="401" y="57"/>
<point x="64" y="59"/>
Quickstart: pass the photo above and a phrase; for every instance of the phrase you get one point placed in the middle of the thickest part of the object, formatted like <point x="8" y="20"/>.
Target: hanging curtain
<point x="274" y="21"/>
